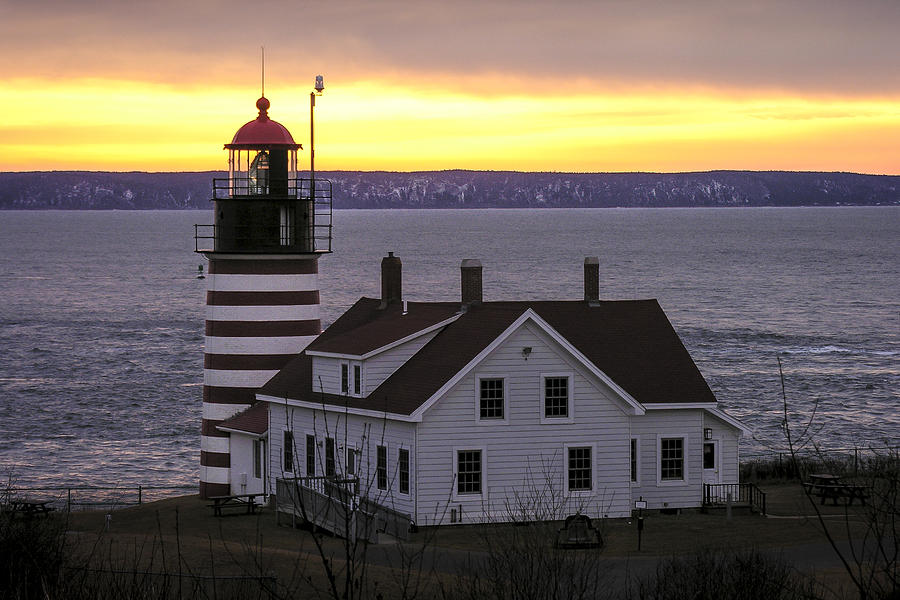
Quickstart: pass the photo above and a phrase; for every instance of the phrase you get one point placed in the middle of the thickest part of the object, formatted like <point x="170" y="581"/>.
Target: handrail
<point x="718" y="493"/>
<point x="301" y="188"/>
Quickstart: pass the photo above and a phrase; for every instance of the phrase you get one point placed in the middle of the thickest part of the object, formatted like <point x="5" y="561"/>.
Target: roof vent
<point x="391" y="280"/>
<point x="470" y="277"/>
<point x="592" y="279"/>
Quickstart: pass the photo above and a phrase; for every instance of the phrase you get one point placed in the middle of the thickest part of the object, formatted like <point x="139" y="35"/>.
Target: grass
<point x="182" y="534"/>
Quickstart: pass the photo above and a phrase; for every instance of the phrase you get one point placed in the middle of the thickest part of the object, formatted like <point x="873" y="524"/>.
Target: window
<point x="671" y="459"/>
<point x="287" y="225"/>
<point x="381" y="467"/>
<point x="329" y="457"/>
<point x="634" y="460"/>
<point x="351" y="461"/>
<point x="490" y="404"/>
<point x="357" y="379"/>
<point x="579" y="469"/>
<point x="288" y="451"/>
<point x="310" y="456"/>
<point x="403" y="460"/>
<point x="556" y="397"/>
<point x="345" y="378"/>
<point x="709" y="455"/>
<point x="257" y="459"/>
<point x="468" y="472"/>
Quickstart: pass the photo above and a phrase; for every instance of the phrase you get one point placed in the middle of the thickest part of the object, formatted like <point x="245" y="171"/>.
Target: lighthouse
<point x="262" y="300"/>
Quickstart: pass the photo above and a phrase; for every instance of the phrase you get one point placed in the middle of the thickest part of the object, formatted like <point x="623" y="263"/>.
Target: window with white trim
<point x="357" y="380"/>
<point x="311" y="456"/>
<point x="351" y="462"/>
<point x="287" y="451"/>
<point x="257" y="458"/>
<point x="468" y="472"/>
<point x="381" y="467"/>
<point x="671" y="459"/>
<point x="345" y="378"/>
<point x="634" y="460"/>
<point x="579" y="467"/>
<point x="403" y="469"/>
<point x="556" y="396"/>
<point x="329" y="457"/>
<point x="490" y="398"/>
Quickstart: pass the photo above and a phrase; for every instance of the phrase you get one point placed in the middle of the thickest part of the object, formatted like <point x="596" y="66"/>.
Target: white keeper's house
<point x="472" y="411"/>
<point x="444" y="412"/>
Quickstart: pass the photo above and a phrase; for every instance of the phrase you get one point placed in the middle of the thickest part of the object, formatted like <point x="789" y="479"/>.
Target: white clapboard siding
<point x="523" y="457"/>
<point x="360" y="433"/>
<point x="651" y="427"/>
<point x="381" y="366"/>
<point x="242" y="462"/>
<point x="326" y="375"/>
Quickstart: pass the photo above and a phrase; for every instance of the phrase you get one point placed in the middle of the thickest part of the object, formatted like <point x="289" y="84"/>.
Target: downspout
<point x="416" y="497"/>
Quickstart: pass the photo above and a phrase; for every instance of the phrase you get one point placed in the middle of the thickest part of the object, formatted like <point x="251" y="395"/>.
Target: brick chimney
<point x="470" y="278"/>
<point x="591" y="279"/>
<point x="391" y="280"/>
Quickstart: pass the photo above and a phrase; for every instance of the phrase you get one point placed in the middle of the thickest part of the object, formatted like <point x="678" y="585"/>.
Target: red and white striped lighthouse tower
<point x="262" y="299"/>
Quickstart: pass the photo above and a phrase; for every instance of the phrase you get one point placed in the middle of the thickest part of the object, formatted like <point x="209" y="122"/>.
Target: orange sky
<point x="580" y="86"/>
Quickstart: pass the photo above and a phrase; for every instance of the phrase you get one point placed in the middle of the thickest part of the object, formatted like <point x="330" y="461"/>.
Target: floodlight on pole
<point x="319" y="86"/>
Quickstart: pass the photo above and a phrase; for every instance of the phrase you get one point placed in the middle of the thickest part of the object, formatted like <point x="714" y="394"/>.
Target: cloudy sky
<point x="507" y="84"/>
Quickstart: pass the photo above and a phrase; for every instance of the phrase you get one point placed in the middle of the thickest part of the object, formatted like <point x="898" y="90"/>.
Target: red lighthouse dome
<point x="262" y="132"/>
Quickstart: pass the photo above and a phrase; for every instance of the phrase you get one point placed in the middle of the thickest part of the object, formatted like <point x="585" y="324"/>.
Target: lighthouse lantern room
<point x="262" y="300"/>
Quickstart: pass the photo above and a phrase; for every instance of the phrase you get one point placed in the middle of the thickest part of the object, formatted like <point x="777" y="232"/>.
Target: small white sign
<point x="640" y="504"/>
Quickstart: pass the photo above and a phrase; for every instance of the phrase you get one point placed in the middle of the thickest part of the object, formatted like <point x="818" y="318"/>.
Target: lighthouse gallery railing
<point x="317" y="232"/>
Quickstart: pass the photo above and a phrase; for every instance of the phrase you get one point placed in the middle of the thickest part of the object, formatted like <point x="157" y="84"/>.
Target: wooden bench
<point x="239" y="503"/>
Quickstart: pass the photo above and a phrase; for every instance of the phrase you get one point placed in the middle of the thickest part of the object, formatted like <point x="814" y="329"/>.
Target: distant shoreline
<point x="453" y="189"/>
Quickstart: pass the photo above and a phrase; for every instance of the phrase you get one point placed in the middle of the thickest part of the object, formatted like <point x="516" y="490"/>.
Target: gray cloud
<point x="818" y="47"/>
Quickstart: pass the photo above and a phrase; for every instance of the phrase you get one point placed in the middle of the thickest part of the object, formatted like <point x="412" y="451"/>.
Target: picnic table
<point x="245" y="503"/>
<point x="825" y="486"/>
<point x="29" y="507"/>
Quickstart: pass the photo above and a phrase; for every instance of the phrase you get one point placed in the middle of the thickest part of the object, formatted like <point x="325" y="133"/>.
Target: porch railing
<point x="334" y="504"/>
<point x="739" y="493"/>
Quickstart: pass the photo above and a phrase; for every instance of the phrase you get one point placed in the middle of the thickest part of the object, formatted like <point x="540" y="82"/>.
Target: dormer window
<point x="351" y="379"/>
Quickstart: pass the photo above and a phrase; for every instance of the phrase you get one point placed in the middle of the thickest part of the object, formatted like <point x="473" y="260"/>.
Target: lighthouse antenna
<point x="263" y="69"/>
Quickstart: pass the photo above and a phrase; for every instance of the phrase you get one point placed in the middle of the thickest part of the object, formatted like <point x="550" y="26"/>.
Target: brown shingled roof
<point x="631" y="341"/>
<point x="254" y="420"/>
<point x="365" y="327"/>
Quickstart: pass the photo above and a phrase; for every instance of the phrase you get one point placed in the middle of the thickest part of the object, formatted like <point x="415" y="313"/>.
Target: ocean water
<point x="101" y="316"/>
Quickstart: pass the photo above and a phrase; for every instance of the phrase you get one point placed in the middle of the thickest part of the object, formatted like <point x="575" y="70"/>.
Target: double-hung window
<point x="357" y="380"/>
<point x="468" y="472"/>
<point x="579" y="467"/>
<point x="671" y="459"/>
<point x="490" y="398"/>
<point x="556" y="397"/>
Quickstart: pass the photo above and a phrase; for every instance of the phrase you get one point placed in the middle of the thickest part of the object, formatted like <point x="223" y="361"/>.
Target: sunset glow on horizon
<point x="392" y="113"/>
